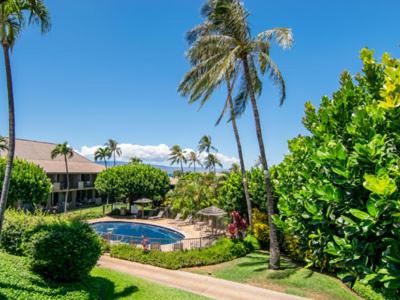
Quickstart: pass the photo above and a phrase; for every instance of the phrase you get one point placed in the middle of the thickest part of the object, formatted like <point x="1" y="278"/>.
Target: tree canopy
<point x="133" y="181"/>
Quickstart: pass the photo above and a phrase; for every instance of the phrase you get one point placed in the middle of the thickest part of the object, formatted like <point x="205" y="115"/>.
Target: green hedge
<point x="223" y="250"/>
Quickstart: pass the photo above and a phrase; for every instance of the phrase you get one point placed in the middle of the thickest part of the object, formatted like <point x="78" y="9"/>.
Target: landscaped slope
<point x="252" y="269"/>
<point x="17" y="282"/>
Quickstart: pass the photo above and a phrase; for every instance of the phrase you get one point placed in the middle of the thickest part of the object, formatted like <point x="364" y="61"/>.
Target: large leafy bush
<point x="29" y="183"/>
<point x="338" y="188"/>
<point x="64" y="250"/>
<point x="195" y="191"/>
<point x="231" y="194"/>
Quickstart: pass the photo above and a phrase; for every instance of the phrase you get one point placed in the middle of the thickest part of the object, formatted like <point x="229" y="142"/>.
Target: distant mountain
<point x="168" y="169"/>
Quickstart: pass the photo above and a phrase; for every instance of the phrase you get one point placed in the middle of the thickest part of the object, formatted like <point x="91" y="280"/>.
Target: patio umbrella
<point x="213" y="212"/>
<point x="142" y="202"/>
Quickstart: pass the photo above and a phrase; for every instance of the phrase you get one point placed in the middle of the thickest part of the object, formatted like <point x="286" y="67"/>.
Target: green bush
<point x="231" y="194"/>
<point x="29" y="183"/>
<point x="338" y="187"/>
<point x="63" y="251"/>
<point x="18" y="227"/>
<point x="223" y="250"/>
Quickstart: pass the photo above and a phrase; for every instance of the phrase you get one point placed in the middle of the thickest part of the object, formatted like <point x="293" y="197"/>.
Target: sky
<point x="110" y="69"/>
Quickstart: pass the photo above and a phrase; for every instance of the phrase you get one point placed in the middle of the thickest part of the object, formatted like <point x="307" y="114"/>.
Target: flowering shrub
<point x="237" y="229"/>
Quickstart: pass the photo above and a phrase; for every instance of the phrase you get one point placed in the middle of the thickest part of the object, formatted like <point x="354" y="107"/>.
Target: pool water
<point x="136" y="232"/>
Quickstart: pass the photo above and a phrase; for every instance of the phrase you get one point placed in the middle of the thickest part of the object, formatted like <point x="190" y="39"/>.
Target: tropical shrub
<point x="260" y="227"/>
<point x="133" y="181"/>
<point x="63" y="251"/>
<point x="223" y="250"/>
<point x="18" y="227"/>
<point x="338" y="187"/>
<point x="231" y="194"/>
<point x="29" y="183"/>
<point x="194" y="191"/>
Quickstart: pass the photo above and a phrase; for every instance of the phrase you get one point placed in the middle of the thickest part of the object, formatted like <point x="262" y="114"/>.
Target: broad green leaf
<point x="382" y="185"/>
<point x="360" y="214"/>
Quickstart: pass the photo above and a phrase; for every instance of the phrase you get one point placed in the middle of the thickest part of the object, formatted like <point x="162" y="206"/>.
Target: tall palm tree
<point x="194" y="159"/>
<point x="211" y="162"/>
<point x="14" y="15"/>
<point x="66" y="152"/>
<point x="114" y="148"/>
<point x="102" y="153"/>
<point x="226" y="48"/>
<point x="205" y="144"/>
<point x="177" y="156"/>
<point x="196" y="84"/>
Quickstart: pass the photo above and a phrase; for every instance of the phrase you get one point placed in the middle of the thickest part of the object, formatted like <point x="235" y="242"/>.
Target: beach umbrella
<point x="212" y="212"/>
<point x="142" y="202"/>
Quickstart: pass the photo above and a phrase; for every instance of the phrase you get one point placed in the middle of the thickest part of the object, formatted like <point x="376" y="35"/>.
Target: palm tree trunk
<point x="66" y="194"/>
<point x="194" y="167"/>
<point x="105" y="163"/>
<point x="11" y="134"/>
<point x="182" y="167"/>
<point x="114" y="158"/>
<point x="274" y="261"/>
<point x="240" y="153"/>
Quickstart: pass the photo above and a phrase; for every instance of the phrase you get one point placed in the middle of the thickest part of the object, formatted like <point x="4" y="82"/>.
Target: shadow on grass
<point x="95" y="287"/>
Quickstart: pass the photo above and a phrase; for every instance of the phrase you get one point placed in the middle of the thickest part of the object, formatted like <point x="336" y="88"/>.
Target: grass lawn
<point x="292" y="279"/>
<point x="17" y="282"/>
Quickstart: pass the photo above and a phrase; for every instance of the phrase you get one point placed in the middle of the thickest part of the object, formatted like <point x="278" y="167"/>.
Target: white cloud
<point x="151" y="154"/>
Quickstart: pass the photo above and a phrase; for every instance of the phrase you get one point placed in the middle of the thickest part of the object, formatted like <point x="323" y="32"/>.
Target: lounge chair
<point x="187" y="221"/>
<point x="176" y="220"/>
<point x="159" y="216"/>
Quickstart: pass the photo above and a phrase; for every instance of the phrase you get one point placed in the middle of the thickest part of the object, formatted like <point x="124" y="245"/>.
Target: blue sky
<point x="111" y="69"/>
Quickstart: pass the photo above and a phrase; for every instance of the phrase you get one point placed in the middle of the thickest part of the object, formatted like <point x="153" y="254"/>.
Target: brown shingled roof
<point x="40" y="153"/>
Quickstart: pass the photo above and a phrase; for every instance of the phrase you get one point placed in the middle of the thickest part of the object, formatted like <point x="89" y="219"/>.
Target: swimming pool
<point x="131" y="231"/>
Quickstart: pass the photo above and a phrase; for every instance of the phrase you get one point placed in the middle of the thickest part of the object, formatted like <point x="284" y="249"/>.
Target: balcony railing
<point x="59" y="186"/>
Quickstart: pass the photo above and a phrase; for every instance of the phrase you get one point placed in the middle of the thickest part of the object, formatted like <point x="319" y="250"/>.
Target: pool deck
<point x="189" y="231"/>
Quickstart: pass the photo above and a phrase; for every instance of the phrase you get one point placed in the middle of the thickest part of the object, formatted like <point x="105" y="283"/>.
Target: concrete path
<point x="199" y="284"/>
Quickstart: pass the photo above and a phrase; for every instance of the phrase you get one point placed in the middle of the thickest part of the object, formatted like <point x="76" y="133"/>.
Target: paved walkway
<point x="199" y="284"/>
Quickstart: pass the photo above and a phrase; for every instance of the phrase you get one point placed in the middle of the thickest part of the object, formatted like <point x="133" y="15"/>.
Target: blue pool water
<point x="128" y="231"/>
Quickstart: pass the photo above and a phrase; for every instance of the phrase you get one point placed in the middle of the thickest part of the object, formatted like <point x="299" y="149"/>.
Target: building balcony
<point x="80" y="185"/>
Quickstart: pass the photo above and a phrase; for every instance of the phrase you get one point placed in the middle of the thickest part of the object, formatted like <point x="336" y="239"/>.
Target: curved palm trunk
<point x="105" y="163"/>
<point x="11" y="135"/>
<point x="274" y="261"/>
<point x="66" y="194"/>
<point x="240" y="153"/>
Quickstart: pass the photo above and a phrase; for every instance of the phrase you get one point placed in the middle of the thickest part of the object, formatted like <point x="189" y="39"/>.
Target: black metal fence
<point x="162" y="244"/>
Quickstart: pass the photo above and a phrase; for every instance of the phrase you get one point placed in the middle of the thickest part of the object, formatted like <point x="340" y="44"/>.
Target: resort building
<point x="82" y="172"/>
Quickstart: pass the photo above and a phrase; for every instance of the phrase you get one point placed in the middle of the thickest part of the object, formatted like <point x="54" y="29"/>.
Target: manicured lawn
<point x="17" y="282"/>
<point x="292" y="279"/>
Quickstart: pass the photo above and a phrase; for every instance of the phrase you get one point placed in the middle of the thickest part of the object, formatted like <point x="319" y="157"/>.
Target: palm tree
<point x="205" y="144"/>
<point x="102" y="154"/>
<point x="66" y="151"/>
<point x="14" y="15"/>
<point x="196" y="84"/>
<point x="3" y="143"/>
<point x="114" y="148"/>
<point x="177" y="156"/>
<point x="135" y="160"/>
<point x="235" y="168"/>
<point x="211" y="162"/>
<point x="194" y="159"/>
<point x="226" y="49"/>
